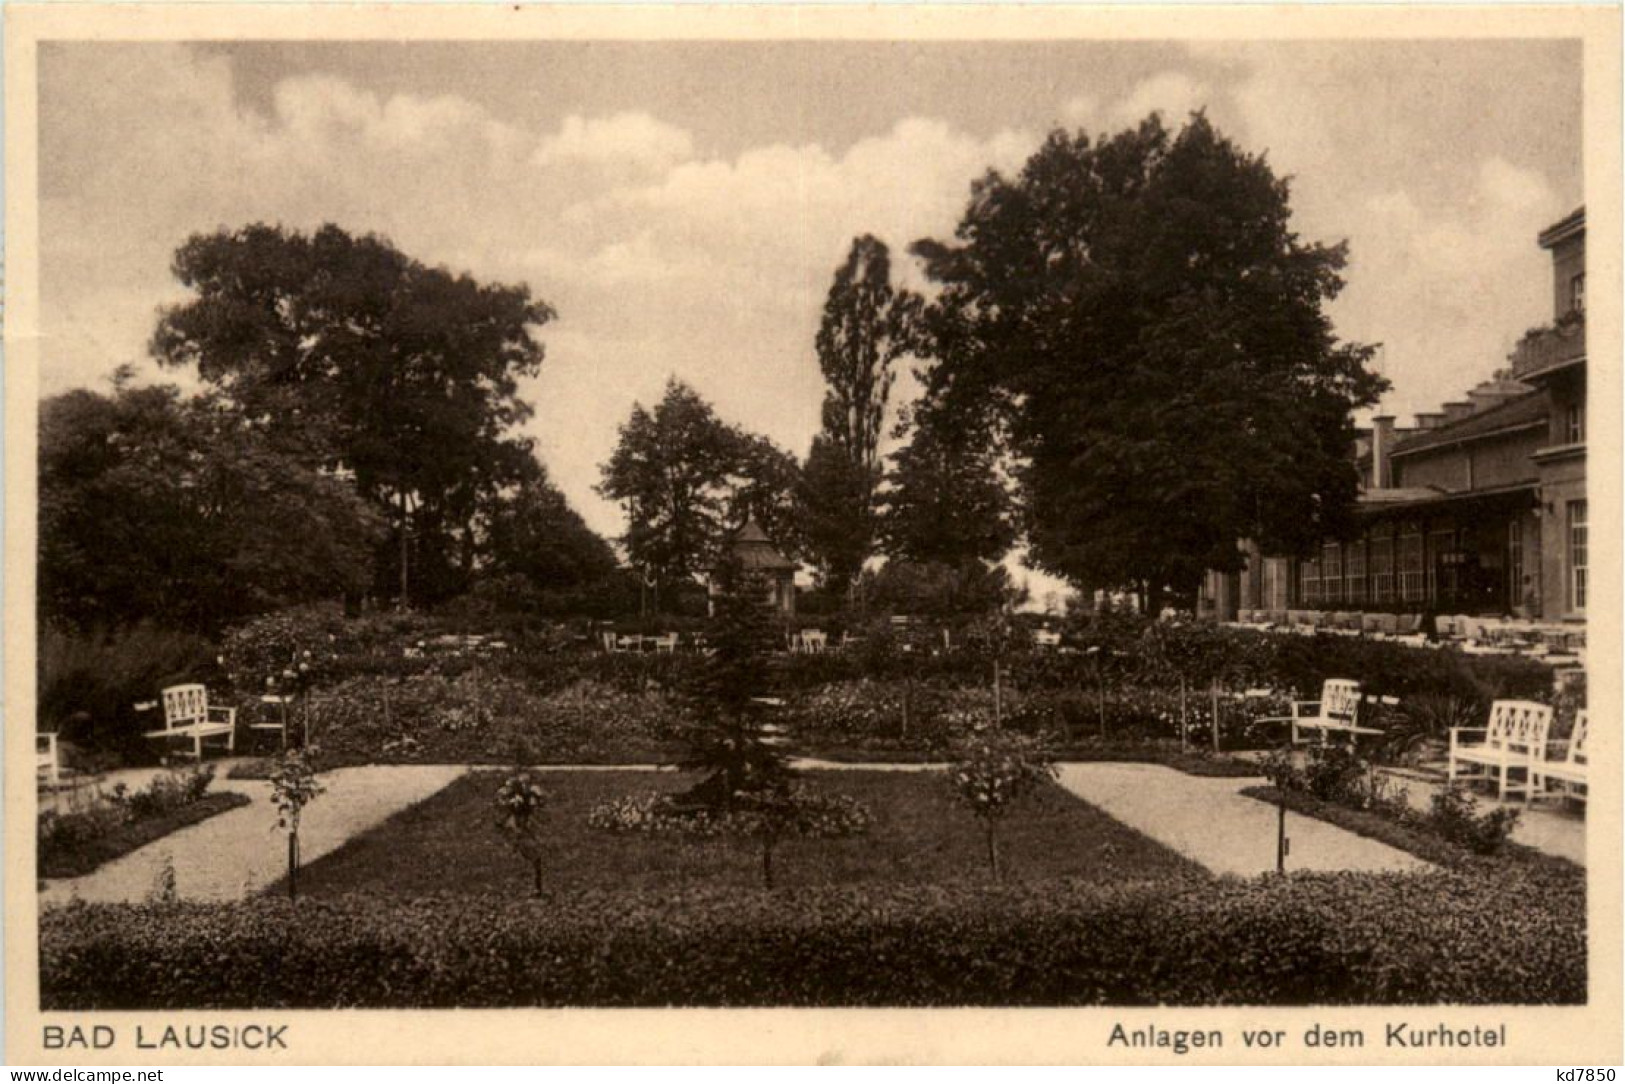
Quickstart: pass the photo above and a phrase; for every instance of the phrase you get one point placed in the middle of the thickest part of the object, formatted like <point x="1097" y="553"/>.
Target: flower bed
<point x="77" y="842"/>
<point x="480" y="717"/>
<point x="1415" y="834"/>
<point x="1306" y="939"/>
<point x="820" y="816"/>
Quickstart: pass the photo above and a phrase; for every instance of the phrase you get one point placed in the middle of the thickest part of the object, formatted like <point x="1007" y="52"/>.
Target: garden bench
<point x="1515" y="738"/>
<point x="1336" y="712"/>
<point x="813" y="641"/>
<point x="1046" y="638"/>
<point x="666" y="643"/>
<point x="187" y="714"/>
<point x="1571" y="770"/>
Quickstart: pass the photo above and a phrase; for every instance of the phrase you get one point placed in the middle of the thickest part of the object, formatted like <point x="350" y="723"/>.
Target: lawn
<point x="447" y="844"/>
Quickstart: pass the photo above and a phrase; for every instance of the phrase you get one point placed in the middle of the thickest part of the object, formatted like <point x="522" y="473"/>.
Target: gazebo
<point x="755" y="552"/>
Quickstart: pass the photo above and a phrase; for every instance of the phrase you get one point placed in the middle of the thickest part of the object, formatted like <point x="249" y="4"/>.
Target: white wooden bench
<point x="1336" y="712"/>
<point x="1046" y="638"/>
<point x="1571" y="770"/>
<point x="187" y="715"/>
<point x="1515" y="739"/>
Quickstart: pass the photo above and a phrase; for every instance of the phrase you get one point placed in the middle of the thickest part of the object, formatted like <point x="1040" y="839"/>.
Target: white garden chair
<point x="47" y="762"/>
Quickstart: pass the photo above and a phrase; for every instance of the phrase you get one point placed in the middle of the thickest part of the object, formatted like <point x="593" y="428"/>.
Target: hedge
<point x="1436" y="937"/>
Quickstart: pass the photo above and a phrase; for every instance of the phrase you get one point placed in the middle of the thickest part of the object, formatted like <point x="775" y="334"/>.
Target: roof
<point x="1569" y="225"/>
<point x="1400" y="495"/>
<point x="751" y="532"/>
<point x="754" y="550"/>
<point x="1377" y="502"/>
<point x="1523" y="412"/>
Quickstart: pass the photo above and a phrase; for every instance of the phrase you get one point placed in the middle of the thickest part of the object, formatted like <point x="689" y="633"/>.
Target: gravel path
<point x="1209" y="822"/>
<point x="1206" y="819"/>
<point x="241" y="851"/>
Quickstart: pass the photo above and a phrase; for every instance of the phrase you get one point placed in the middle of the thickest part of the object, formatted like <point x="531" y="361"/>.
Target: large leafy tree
<point x="535" y="533"/>
<point x="866" y="327"/>
<point x="685" y="478"/>
<point x="1154" y="335"/>
<point x="356" y="357"/>
<point x="185" y="512"/>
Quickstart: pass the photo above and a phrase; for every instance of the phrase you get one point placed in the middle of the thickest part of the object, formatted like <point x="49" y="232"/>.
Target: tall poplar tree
<point x="866" y="327"/>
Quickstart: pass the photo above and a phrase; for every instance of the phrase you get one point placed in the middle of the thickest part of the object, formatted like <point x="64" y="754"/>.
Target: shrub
<point x="170" y="790"/>
<point x="1454" y="815"/>
<point x="1305" y="939"/>
<point x="1427" y="720"/>
<point x="992" y="772"/>
<point x="520" y="801"/>
<point x="293" y="786"/>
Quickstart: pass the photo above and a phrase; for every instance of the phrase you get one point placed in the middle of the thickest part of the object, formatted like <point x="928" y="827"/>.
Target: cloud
<point x="1174" y="94"/>
<point x="1450" y="287"/>
<point x="623" y="140"/>
<point x="657" y="259"/>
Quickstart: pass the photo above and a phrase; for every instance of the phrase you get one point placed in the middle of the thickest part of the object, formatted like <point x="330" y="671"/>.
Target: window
<point x="1441" y="571"/>
<point x="1574" y="424"/>
<point x="1515" y="563"/>
<point x="1354" y="574"/>
<point x="1308" y="582"/>
<point x="1411" y="573"/>
<point x="1382" y="568"/>
<point x="1331" y="573"/>
<point x="1577" y="293"/>
<point x="1578" y="558"/>
<point x="1276" y="581"/>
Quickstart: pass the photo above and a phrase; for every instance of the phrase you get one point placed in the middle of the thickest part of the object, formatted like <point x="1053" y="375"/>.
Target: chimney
<point x="1455" y="412"/>
<point x="1382" y="443"/>
<point x="1430" y="420"/>
<point x="1491" y="394"/>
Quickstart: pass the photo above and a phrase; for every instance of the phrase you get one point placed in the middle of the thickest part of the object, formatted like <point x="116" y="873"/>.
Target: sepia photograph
<point x="802" y="519"/>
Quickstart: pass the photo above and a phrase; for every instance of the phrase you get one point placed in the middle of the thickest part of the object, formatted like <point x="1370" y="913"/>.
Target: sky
<point x="683" y="206"/>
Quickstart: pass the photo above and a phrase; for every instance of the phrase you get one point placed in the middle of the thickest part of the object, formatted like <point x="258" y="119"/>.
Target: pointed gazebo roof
<point x="754" y="550"/>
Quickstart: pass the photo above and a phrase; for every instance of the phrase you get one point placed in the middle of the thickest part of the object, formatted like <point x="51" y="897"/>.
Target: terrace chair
<point x="1514" y="739"/>
<point x="47" y="759"/>
<point x="1571" y="771"/>
<point x="607" y="638"/>
<point x="187" y="715"/>
<point x="279" y="724"/>
<point x="666" y="644"/>
<point x="813" y="641"/>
